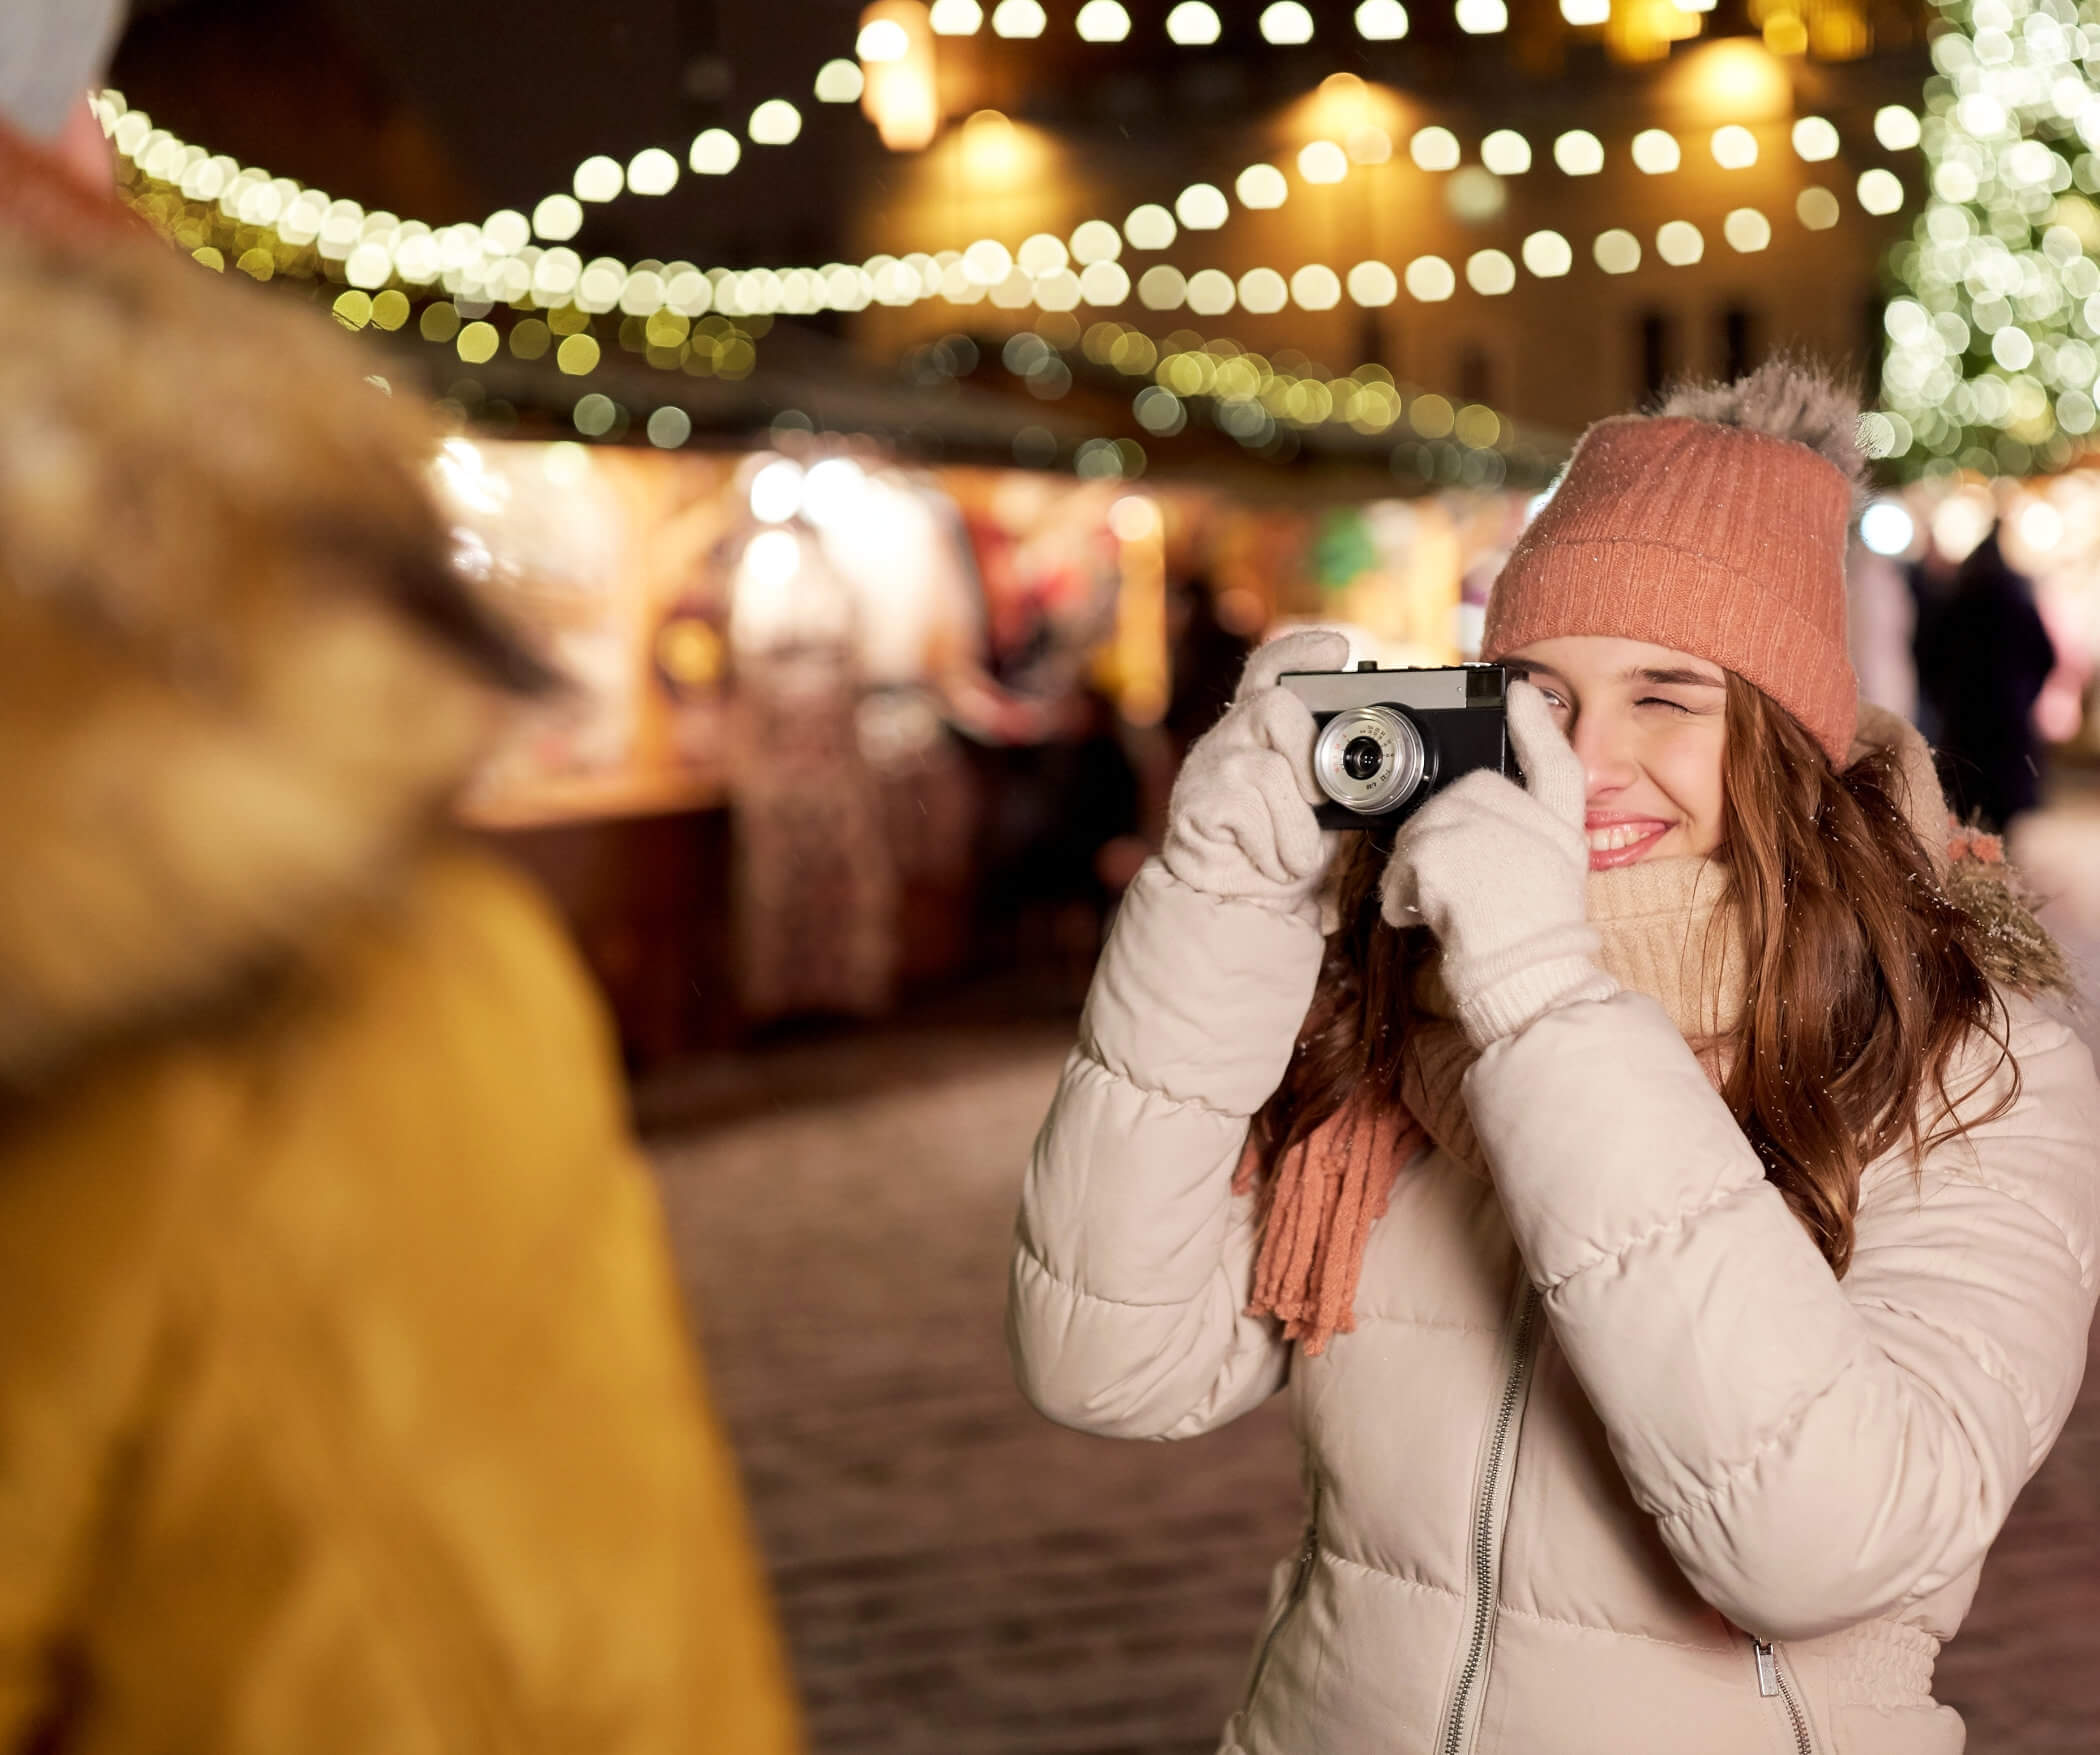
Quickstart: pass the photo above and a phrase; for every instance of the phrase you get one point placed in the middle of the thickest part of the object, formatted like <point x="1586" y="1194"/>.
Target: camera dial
<point x="1370" y="759"/>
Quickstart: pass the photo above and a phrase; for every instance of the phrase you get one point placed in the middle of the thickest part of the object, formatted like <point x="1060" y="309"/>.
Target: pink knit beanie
<point x="1715" y="527"/>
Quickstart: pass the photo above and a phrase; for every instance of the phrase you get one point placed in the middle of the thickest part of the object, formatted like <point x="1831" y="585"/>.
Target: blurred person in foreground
<point x="345" y="1400"/>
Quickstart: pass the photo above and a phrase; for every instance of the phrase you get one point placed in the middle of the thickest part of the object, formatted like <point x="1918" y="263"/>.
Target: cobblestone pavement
<point x="958" y="1576"/>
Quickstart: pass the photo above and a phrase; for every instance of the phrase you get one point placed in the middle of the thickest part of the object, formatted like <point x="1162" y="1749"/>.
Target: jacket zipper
<point x="1308" y="1552"/>
<point x="1487" y="1546"/>
<point x="1771" y="1681"/>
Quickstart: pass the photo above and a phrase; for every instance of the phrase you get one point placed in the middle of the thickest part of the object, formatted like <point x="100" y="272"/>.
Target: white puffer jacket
<point x="1611" y="1463"/>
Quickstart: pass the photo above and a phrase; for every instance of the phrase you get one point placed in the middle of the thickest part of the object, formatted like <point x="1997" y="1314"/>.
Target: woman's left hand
<point x="1500" y="873"/>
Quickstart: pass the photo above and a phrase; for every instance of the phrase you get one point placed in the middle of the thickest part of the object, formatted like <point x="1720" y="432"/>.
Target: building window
<point x="1656" y="352"/>
<point x="1476" y="375"/>
<point x="1738" y="342"/>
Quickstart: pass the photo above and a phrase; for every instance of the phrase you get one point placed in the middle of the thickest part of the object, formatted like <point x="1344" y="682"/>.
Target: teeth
<point x="1619" y="835"/>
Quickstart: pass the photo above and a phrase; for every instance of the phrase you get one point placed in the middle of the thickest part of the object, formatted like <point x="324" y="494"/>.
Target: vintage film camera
<point x="1389" y="739"/>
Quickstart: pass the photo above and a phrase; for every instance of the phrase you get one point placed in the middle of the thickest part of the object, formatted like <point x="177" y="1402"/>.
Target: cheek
<point x="1688" y="769"/>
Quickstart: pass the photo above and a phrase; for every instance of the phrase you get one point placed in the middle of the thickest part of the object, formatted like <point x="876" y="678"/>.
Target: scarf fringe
<point x="1325" y="1195"/>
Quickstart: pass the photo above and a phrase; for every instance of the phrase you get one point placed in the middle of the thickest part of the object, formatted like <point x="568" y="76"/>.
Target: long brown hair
<point x="1864" y="979"/>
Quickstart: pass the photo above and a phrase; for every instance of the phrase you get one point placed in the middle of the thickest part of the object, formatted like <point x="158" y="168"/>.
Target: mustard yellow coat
<point x="347" y="1405"/>
<point x="344" y="1404"/>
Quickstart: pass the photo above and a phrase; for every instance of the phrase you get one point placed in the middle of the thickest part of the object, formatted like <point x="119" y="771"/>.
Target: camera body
<point x="1387" y="740"/>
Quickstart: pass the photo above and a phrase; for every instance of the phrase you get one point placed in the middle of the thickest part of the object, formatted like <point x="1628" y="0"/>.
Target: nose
<point x="1603" y="741"/>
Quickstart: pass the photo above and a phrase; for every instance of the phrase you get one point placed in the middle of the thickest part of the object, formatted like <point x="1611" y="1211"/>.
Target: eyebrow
<point x="1667" y="678"/>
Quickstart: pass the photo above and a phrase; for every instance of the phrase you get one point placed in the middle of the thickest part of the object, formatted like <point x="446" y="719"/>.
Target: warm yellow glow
<point x="1321" y="161"/>
<point x="506" y="231"/>
<point x="1286" y="22"/>
<point x="1655" y="151"/>
<point x="1481" y="18"/>
<point x="1585" y="13"/>
<point x="956" y="18"/>
<point x="577" y="355"/>
<point x="1643" y="30"/>
<point x="477" y="343"/>
<point x="1786" y="34"/>
<point x="1736" y="77"/>
<point x="992" y="150"/>
<point x="1506" y="152"/>
<point x="599" y="178"/>
<point x="1192" y="24"/>
<point x="1369" y="146"/>
<point x="1261" y="186"/>
<point x="1679" y="243"/>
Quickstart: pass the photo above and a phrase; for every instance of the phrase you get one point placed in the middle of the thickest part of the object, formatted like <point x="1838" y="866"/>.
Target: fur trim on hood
<point x="238" y="679"/>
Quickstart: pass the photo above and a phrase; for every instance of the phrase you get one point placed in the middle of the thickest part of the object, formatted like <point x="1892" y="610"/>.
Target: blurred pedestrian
<point x="346" y="1403"/>
<point x="1983" y="658"/>
<point x="1655" y="1184"/>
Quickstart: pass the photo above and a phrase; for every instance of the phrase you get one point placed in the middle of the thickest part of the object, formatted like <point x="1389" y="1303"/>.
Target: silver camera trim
<point x="1405" y="767"/>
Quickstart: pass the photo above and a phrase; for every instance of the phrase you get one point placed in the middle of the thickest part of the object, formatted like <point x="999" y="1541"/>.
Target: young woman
<point x="1673" y="1217"/>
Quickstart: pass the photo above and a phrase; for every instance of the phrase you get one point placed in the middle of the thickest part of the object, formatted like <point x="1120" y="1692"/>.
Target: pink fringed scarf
<point x="1327" y="1191"/>
<point x="1331" y="1187"/>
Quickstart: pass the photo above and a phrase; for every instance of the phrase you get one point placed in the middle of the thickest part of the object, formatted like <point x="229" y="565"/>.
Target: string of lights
<point x="1991" y="360"/>
<point x="1634" y="29"/>
<point x="302" y="230"/>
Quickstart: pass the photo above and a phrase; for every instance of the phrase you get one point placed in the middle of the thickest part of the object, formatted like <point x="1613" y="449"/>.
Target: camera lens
<point x="1363" y="758"/>
<point x="1371" y="759"/>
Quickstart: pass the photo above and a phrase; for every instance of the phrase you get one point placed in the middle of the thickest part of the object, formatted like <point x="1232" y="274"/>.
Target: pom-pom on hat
<point x="1715" y="526"/>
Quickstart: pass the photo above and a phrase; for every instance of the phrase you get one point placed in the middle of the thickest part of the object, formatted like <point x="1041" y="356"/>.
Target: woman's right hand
<point x="1240" y="823"/>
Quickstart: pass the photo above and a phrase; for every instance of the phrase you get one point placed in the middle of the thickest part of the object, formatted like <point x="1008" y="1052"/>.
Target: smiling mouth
<point x="1622" y="843"/>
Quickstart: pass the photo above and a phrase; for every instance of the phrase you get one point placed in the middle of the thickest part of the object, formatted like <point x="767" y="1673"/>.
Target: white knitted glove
<point x="1500" y="873"/>
<point x="1240" y="822"/>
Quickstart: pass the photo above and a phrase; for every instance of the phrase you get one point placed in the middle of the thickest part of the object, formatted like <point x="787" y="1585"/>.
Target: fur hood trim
<point x="238" y="680"/>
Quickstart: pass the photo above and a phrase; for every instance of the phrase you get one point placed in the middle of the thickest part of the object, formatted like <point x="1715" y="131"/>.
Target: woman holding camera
<point x="1670" y="1212"/>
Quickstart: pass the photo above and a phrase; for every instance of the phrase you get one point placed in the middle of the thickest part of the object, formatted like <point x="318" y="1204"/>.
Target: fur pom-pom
<point x="1789" y="399"/>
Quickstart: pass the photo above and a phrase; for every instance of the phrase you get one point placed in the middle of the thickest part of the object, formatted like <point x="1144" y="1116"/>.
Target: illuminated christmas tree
<point x="1991" y="357"/>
